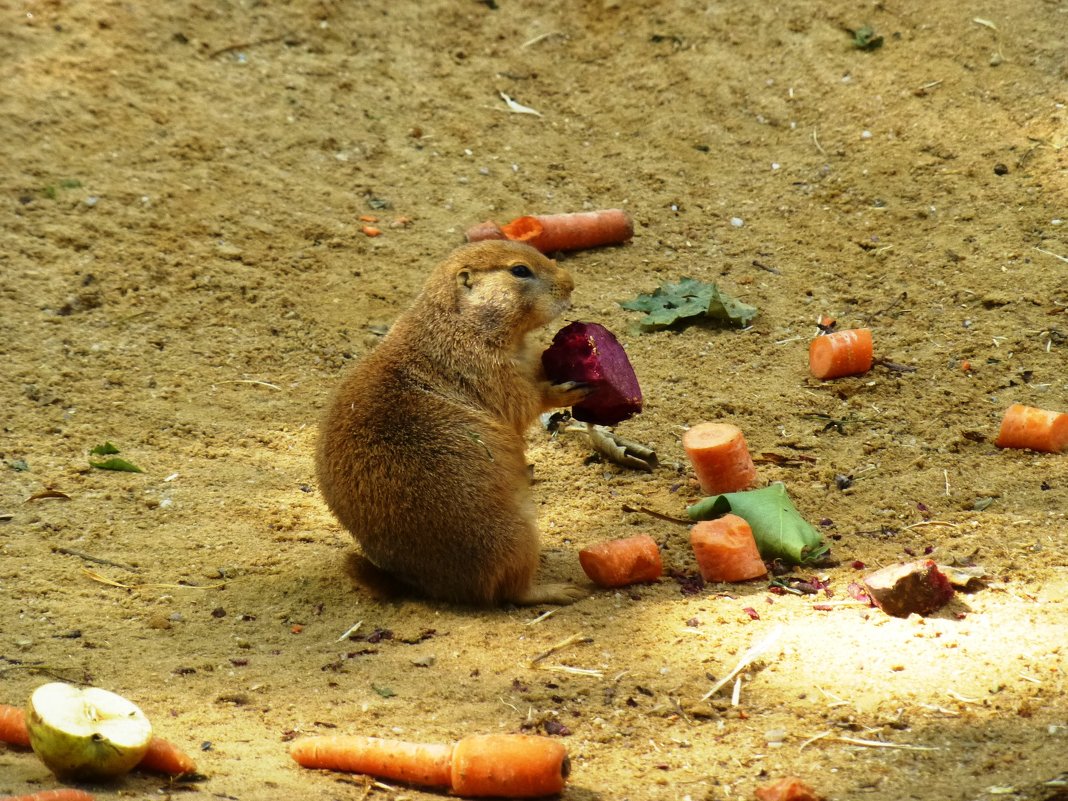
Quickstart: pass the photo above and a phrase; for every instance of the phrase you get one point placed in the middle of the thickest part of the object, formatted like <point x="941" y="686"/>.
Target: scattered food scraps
<point x="552" y="232"/>
<point x="726" y="550"/>
<point x="841" y="353"/>
<point x="1034" y="429"/>
<point x="508" y="765"/>
<point x="789" y="788"/>
<point x="908" y="587"/>
<point x="590" y="354"/>
<point x="720" y="457"/>
<point x="617" y="563"/>
<point x="779" y="529"/>
<point x="685" y="302"/>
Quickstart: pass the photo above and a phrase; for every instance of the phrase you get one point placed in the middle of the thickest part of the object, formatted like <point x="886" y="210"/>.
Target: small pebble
<point x="737" y="222"/>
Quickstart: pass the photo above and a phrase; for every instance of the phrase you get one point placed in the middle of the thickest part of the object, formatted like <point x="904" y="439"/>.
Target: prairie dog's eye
<point x="522" y="271"/>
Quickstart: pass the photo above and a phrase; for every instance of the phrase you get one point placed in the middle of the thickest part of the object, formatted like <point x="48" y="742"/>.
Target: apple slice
<point x="86" y="734"/>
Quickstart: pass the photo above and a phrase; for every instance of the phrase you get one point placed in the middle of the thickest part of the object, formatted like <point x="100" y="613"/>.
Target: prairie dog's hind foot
<point x="560" y="593"/>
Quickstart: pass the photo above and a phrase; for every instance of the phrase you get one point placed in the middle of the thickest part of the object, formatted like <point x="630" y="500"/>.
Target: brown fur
<point x="421" y="450"/>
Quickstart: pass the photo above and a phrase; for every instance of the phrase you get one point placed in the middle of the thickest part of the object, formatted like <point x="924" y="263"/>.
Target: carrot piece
<point x="788" y="789"/>
<point x="617" y="563"/>
<point x="1033" y="428"/>
<point x="839" y="354"/>
<point x="484" y="230"/>
<point x="511" y="765"/>
<point x="551" y="232"/>
<point x="414" y="763"/>
<point x="720" y="457"/>
<point x="370" y="230"/>
<point x="726" y="550"/>
<point x="164" y="756"/>
<point x="63" y="794"/>
<point x="13" y="729"/>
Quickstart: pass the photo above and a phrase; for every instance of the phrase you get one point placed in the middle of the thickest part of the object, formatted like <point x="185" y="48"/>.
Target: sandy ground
<point x="183" y="274"/>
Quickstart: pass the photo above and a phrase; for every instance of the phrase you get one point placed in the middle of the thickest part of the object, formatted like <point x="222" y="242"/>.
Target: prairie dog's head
<point x="503" y="289"/>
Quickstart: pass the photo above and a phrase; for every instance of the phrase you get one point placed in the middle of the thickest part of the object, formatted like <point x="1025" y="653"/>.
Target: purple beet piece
<point x="908" y="587"/>
<point x="589" y="353"/>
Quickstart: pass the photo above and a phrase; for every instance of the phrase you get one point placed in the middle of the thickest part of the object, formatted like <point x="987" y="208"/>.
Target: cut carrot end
<point x="1034" y="429"/>
<point x="523" y="229"/>
<point x="617" y="563"/>
<point x="509" y="765"/>
<point x="720" y="457"/>
<point x="13" y="729"/>
<point x="840" y="354"/>
<point x="726" y="550"/>
<point x="164" y="756"/>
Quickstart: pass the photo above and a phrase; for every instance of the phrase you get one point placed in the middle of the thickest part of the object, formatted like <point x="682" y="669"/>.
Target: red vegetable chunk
<point x="902" y="589"/>
<point x="589" y="353"/>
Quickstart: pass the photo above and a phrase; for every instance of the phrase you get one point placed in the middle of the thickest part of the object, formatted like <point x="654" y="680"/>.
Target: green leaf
<point x="104" y="450"/>
<point x="385" y="692"/>
<point x="866" y="38"/>
<point x="688" y="299"/>
<point x="116" y="463"/>
<point x="778" y="528"/>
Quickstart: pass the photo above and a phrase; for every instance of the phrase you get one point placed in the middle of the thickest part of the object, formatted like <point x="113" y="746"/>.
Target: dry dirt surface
<point x="183" y="273"/>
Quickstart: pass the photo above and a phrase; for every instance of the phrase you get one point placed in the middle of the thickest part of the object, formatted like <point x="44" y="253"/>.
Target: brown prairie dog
<point x="421" y="451"/>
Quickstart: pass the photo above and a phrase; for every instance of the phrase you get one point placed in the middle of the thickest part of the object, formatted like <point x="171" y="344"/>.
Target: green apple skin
<point x="94" y="735"/>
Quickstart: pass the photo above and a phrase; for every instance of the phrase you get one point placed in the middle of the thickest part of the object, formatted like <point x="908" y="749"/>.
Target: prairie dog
<point x="421" y="451"/>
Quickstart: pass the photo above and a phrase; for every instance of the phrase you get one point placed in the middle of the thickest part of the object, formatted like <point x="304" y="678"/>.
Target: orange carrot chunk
<point x="839" y="354"/>
<point x="617" y="563"/>
<point x="720" y="457"/>
<point x="726" y="550"/>
<point x="13" y="729"/>
<point x="63" y="794"/>
<point x="415" y="763"/>
<point x="551" y="232"/>
<point x="508" y="765"/>
<point x="163" y="756"/>
<point x="789" y="789"/>
<point x="1032" y="428"/>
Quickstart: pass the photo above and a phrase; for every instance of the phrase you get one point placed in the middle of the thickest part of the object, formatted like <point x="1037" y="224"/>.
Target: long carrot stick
<point x="13" y="729"/>
<point x="1033" y="428"/>
<point x="551" y="232"/>
<point x="508" y="765"/>
<point x="63" y="794"/>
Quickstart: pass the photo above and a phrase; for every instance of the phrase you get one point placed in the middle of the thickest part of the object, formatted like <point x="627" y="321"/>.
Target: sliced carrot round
<point x="1033" y="428"/>
<point x="617" y="563"/>
<point x="720" y="457"/>
<point x="726" y="550"/>
<point x="840" y="354"/>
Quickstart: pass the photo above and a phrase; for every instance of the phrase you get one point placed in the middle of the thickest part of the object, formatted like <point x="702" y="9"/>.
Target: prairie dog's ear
<point x="463" y="280"/>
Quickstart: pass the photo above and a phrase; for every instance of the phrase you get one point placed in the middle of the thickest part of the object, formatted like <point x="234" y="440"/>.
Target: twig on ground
<point x="98" y="560"/>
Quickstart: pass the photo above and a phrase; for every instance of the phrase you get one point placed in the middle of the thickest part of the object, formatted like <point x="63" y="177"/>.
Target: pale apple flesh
<point x="86" y="734"/>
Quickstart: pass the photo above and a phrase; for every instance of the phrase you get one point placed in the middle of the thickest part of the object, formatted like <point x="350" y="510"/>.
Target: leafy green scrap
<point x="687" y="300"/>
<point x="865" y="38"/>
<point x="106" y="449"/>
<point x="778" y="528"/>
<point x="115" y="463"/>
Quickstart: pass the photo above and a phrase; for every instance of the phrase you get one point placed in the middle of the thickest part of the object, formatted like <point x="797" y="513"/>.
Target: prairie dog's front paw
<point x="564" y="394"/>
